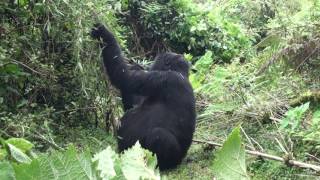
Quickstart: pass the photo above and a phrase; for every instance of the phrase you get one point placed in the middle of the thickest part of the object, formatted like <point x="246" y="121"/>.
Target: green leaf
<point x="87" y="165"/>
<point x="17" y="154"/>
<point x="294" y="116"/>
<point x="229" y="163"/>
<point x="106" y="164"/>
<point x="138" y="163"/>
<point x="22" y="103"/>
<point x="11" y="69"/>
<point x="204" y="63"/>
<point x="316" y="117"/>
<point x="69" y="165"/>
<point x="23" y="2"/>
<point x="6" y="171"/>
<point x="22" y="144"/>
<point x="31" y="171"/>
<point x="59" y="165"/>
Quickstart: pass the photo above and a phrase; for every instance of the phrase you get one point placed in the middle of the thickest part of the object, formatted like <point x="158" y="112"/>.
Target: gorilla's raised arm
<point x="138" y="82"/>
<point x="111" y="53"/>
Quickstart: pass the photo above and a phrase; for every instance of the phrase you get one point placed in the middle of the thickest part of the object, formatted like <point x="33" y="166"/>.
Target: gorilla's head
<point x="171" y="62"/>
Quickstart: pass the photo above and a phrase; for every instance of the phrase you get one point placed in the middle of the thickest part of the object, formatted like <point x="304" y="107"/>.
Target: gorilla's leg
<point x="165" y="145"/>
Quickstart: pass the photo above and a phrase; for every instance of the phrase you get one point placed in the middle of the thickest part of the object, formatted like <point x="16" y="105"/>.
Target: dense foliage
<point x="135" y="163"/>
<point x="257" y="64"/>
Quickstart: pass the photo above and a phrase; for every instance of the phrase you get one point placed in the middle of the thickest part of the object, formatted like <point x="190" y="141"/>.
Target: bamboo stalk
<point x="268" y="156"/>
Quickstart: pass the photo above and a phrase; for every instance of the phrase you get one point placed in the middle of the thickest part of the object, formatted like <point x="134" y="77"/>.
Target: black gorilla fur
<point x="159" y="103"/>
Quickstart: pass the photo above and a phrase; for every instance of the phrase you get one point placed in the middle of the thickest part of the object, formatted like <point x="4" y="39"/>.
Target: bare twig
<point x="42" y="138"/>
<point x="268" y="156"/>
<point x="248" y="138"/>
<point x="260" y="147"/>
<point x="26" y="66"/>
<point x="275" y="119"/>
<point x="313" y="157"/>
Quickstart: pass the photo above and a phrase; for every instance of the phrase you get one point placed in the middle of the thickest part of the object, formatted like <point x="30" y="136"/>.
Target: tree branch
<point x="26" y="66"/>
<point x="268" y="156"/>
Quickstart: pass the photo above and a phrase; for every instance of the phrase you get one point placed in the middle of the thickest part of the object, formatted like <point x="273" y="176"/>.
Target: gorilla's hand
<point x="99" y="31"/>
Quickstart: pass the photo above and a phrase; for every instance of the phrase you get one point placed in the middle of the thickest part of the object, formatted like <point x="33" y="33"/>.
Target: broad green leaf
<point x="67" y="165"/>
<point x="229" y="163"/>
<point x="294" y="116"/>
<point x="106" y="164"/>
<point x="11" y="68"/>
<point x="138" y="163"/>
<point x="87" y="165"/>
<point x="204" y="63"/>
<point x="59" y="165"/>
<point x="22" y="144"/>
<point x="31" y="171"/>
<point x="316" y="117"/>
<point x="6" y="171"/>
<point x="17" y="154"/>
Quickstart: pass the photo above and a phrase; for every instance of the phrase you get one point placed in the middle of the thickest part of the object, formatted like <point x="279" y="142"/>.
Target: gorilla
<point x="159" y="102"/>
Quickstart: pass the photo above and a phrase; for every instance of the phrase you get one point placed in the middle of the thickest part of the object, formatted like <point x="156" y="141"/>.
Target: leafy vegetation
<point x="230" y="161"/>
<point x="257" y="64"/>
<point x="135" y="163"/>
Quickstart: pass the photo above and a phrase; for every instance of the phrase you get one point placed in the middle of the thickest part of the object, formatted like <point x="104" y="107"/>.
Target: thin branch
<point x="248" y="138"/>
<point x="26" y="66"/>
<point x="275" y="119"/>
<point x="42" y="138"/>
<point x="313" y="157"/>
<point x="268" y="156"/>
